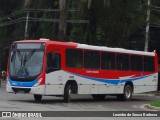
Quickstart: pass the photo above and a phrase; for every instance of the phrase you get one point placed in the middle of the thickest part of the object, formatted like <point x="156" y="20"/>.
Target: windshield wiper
<point x="27" y="57"/>
<point x="24" y="58"/>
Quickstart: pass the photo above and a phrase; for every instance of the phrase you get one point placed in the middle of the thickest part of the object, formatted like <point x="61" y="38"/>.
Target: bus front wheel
<point x="67" y="93"/>
<point x="37" y="97"/>
<point x="127" y="93"/>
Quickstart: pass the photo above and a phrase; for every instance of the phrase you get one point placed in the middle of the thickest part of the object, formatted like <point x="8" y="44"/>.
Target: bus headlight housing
<point x="38" y="82"/>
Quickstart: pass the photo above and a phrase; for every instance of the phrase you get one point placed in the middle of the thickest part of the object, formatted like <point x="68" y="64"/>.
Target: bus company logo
<point x="6" y="114"/>
<point x="88" y="71"/>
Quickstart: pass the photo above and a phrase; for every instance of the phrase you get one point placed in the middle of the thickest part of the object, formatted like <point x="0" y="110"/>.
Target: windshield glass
<point x="26" y="62"/>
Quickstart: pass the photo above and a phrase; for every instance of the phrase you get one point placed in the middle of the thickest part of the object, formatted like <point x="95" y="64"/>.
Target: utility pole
<point x="147" y="26"/>
<point x="26" y="27"/>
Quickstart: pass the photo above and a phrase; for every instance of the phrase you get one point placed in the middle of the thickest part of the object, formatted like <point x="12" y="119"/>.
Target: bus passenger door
<point x="53" y="73"/>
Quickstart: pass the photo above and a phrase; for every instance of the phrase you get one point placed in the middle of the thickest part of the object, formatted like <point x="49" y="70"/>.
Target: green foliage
<point x="78" y="35"/>
<point x="119" y="20"/>
<point x="100" y="35"/>
<point x="56" y="3"/>
<point x="111" y="22"/>
<point x="155" y="103"/>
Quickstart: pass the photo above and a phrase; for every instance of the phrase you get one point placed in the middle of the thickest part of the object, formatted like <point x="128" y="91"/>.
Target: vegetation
<point x="112" y="23"/>
<point x="155" y="103"/>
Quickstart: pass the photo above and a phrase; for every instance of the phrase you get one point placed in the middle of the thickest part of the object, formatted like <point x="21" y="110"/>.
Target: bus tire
<point x="67" y="93"/>
<point x="99" y="96"/>
<point x="127" y="93"/>
<point x="37" y="97"/>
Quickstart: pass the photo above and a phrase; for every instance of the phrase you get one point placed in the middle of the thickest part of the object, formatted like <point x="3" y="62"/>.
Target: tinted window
<point x="136" y="63"/>
<point x="122" y="62"/>
<point x="53" y="62"/>
<point x="149" y="64"/>
<point x="74" y="58"/>
<point x="92" y="59"/>
<point x="108" y="61"/>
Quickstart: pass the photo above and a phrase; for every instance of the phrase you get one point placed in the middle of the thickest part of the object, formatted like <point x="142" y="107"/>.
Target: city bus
<point x="51" y="68"/>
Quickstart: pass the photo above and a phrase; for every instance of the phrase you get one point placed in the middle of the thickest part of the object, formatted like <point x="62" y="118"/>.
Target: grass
<point x="155" y="103"/>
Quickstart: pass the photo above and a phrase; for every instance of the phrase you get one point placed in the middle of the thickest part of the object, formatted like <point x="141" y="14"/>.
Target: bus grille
<point x="30" y="79"/>
<point x="25" y="90"/>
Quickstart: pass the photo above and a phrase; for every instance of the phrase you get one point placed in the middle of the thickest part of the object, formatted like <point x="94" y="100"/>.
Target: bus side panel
<point x="54" y="83"/>
<point x="146" y="84"/>
<point x="143" y="89"/>
<point x="54" y="89"/>
<point x="84" y="89"/>
<point x="38" y="90"/>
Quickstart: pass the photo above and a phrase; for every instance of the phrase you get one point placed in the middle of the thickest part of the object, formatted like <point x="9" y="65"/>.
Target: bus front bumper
<point x="31" y="90"/>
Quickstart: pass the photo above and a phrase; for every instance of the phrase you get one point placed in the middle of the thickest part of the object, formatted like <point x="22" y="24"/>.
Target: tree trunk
<point x="27" y="3"/>
<point x="63" y="6"/>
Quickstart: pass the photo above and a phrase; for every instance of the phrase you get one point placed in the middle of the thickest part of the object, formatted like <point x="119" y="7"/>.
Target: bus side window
<point x="149" y="65"/>
<point x="91" y="59"/>
<point x="136" y="63"/>
<point x="108" y="61"/>
<point x="123" y="62"/>
<point x="74" y="58"/>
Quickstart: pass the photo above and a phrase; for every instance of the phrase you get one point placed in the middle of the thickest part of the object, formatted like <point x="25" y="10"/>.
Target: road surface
<point x="25" y="102"/>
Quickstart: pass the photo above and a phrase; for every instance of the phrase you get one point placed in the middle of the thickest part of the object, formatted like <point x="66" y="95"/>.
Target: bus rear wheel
<point x="37" y="97"/>
<point x="67" y="93"/>
<point x="127" y="93"/>
<point x="98" y="96"/>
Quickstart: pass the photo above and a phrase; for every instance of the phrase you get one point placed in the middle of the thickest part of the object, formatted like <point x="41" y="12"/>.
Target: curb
<point x="152" y="107"/>
<point x="150" y="95"/>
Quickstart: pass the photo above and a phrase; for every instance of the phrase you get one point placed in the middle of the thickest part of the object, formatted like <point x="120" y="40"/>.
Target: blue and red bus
<point x="52" y="68"/>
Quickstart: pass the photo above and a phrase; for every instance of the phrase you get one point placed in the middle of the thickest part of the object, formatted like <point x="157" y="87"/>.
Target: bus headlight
<point x="38" y="82"/>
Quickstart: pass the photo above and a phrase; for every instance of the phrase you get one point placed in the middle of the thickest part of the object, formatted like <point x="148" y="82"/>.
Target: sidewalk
<point x="157" y="93"/>
<point x="154" y="93"/>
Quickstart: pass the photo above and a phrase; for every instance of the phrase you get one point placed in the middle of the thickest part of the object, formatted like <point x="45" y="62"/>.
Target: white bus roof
<point x="92" y="47"/>
<point x="119" y="50"/>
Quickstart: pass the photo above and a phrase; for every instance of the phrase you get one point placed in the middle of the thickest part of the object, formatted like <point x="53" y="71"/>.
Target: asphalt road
<point x="25" y="102"/>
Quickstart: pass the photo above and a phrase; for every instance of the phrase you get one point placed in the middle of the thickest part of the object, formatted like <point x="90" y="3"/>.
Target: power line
<point x="21" y="19"/>
<point x="49" y="10"/>
<point x="13" y="14"/>
<point x="12" y="22"/>
<point x="18" y="12"/>
<point x="157" y="7"/>
<point x="57" y="20"/>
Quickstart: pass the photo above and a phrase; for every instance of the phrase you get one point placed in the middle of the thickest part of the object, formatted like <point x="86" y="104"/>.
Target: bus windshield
<point x="25" y="62"/>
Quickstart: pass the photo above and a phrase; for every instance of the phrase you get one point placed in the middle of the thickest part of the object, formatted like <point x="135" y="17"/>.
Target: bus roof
<point x="91" y="47"/>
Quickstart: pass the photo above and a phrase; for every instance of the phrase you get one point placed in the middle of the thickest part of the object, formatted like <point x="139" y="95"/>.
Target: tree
<point x="64" y="7"/>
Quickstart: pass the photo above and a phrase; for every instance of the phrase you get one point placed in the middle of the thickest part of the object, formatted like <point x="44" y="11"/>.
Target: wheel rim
<point x="128" y="93"/>
<point x="69" y="91"/>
